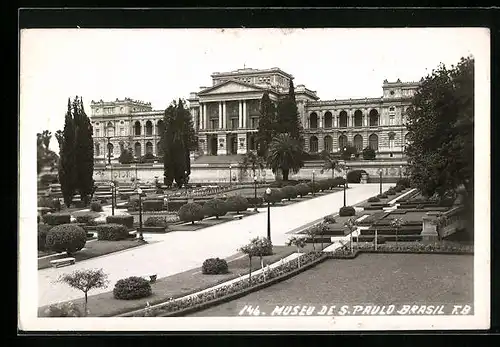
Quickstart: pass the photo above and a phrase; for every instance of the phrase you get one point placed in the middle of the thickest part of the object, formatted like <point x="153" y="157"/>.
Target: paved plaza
<point x="175" y="252"/>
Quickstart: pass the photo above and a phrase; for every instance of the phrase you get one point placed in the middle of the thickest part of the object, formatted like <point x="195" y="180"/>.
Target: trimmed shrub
<point x="403" y="182"/>
<point x="191" y="212"/>
<point x="57" y="218"/>
<point x="262" y="246"/>
<point x="132" y="288"/>
<point x="43" y="230"/>
<point x="340" y="181"/>
<point x="64" y="309"/>
<point x="49" y="202"/>
<point x="354" y="176"/>
<point x="314" y="186"/>
<point x="323" y="185"/>
<point x="347" y="211"/>
<point x="390" y="191"/>
<point x="373" y="199"/>
<point x="369" y="153"/>
<point x="152" y="205"/>
<point x="96" y="206"/>
<point x="331" y="182"/>
<point x="398" y="189"/>
<point x="255" y="201"/>
<point x="156" y="222"/>
<point x="276" y="184"/>
<point x="290" y="192"/>
<point x="303" y="189"/>
<point x="215" y="208"/>
<point x="125" y="220"/>
<point x="68" y="238"/>
<point x="382" y="196"/>
<point x="215" y="266"/>
<point x="275" y="196"/>
<point x="330" y="219"/>
<point x="237" y="203"/>
<point x="86" y="218"/>
<point x="112" y="232"/>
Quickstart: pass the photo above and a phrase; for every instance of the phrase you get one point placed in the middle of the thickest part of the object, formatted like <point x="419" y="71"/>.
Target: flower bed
<point x="232" y="291"/>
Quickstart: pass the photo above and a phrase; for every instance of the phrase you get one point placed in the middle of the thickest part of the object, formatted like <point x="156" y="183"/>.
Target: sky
<point x="161" y="65"/>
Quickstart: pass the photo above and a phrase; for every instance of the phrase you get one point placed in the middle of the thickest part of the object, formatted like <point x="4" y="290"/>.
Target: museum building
<point x="226" y="115"/>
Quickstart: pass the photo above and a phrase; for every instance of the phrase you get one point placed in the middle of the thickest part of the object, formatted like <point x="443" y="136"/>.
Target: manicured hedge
<point x="191" y="212"/>
<point x="52" y="203"/>
<point x="156" y="222"/>
<point x="374" y="199"/>
<point x="303" y="189"/>
<point x="215" y="208"/>
<point x="275" y="196"/>
<point x="112" y="232"/>
<point x="86" y="218"/>
<point x="382" y="196"/>
<point x="96" y="206"/>
<point x="152" y="205"/>
<point x="290" y="192"/>
<point x="68" y="238"/>
<point x="255" y="201"/>
<point x="347" y="211"/>
<point x="237" y="203"/>
<point x="125" y="220"/>
<point x="330" y="219"/>
<point x="314" y="186"/>
<point x="354" y="176"/>
<point x="132" y="288"/>
<point x="43" y="230"/>
<point x="57" y="218"/>
<point x="215" y="266"/>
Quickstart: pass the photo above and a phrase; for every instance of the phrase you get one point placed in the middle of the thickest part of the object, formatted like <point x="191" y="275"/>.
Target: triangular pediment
<point x="231" y="87"/>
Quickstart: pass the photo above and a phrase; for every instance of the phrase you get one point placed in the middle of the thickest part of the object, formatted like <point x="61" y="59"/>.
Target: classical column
<point x="200" y="116"/>
<point x="220" y="115"/>
<point x="205" y="116"/>
<point x="244" y="114"/>
<point x="320" y="115"/>
<point x="240" y="115"/>
<point x="224" y="115"/>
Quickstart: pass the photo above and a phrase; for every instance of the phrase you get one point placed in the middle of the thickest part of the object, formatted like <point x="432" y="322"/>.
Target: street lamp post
<point x="255" y="193"/>
<point x="380" y="178"/>
<point x="185" y="182"/>
<point x="345" y="186"/>
<point x="139" y="191"/>
<point x="112" y="198"/>
<point x="313" y="188"/>
<point x="400" y="171"/>
<point x="268" y="193"/>
<point x="230" y="177"/>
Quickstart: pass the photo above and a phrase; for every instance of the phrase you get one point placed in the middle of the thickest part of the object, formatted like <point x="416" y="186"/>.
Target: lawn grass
<point x="181" y="284"/>
<point x="376" y="279"/>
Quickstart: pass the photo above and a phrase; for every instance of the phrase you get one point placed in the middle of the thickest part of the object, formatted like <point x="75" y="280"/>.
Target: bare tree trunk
<point x="250" y="272"/>
<point x="85" y="306"/>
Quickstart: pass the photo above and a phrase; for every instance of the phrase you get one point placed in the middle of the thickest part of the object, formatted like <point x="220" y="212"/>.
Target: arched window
<point x="343" y="119"/>
<point x="374" y="118"/>
<point x="110" y="149"/>
<point x="149" y="148"/>
<point x="137" y="149"/>
<point x="342" y="141"/>
<point x="137" y="128"/>
<point x="392" y="141"/>
<point x="97" y="150"/>
<point x="328" y="141"/>
<point x="373" y="142"/>
<point x="358" y="142"/>
<point x="149" y="128"/>
<point x="313" y="121"/>
<point x="328" y="120"/>
<point x="358" y="118"/>
<point x="313" y="144"/>
<point x="110" y="129"/>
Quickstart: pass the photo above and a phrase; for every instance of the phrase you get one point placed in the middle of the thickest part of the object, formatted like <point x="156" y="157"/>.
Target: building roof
<point x="250" y="71"/>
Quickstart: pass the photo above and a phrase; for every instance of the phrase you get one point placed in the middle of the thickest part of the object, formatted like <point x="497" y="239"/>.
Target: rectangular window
<point x="97" y="133"/>
<point x="122" y="131"/>
<point x="234" y="123"/>
<point x="391" y="119"/>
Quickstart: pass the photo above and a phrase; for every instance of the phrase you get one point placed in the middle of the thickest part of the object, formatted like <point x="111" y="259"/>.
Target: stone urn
<point x="364" y="178"/>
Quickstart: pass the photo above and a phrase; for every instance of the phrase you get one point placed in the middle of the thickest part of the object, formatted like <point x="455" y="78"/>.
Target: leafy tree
<point x="126" y="156"/>
<point x="298" y="242"/>
<point x="347" y="152"/>
<point x="397" y="223"/>
<point x="45" y="156"/>
<point x="262" y="247"/>
<point x="85" y="281"/>
<point x="67" y="168"/>
<point x="288" y="118"/>
<point x="285" y="154"/>
<point x="350" y="224"/>
<point x="369" y="153"/>
<point x="84" y="151"/>
<point x="267" y="124"/>
<point x="250" y="250"/>
<point x="178" y="140"/>
<point x="312" y="232"/>
<point x="252" y="161"/>
<point x="441" y="134"/>
<point x="330" y="162"/>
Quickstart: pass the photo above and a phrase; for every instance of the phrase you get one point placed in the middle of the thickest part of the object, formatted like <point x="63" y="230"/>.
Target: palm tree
<point x="331" y="163"/>
<point x="285" y="154"/>
<point x="397" y="223"/>
<point x="253" y="161"/>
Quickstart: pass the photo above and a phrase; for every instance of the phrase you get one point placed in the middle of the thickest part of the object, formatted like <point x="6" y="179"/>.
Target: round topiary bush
<point x="398" y="189"/>
<point x="303" y="189"/>
<point x="354" y="176"/>
<point x="68" y="238"/>
<point x="112" y="232"/>
<point x="86" y="218"/>
<point x="373" y="199"/>
<point x="323" y="185"/>
<point x="43" y="230"/>
<point x="347" y="211"/>
<point x="290" y="192"/>
<point x="96" y="206"/>
<point x="191" y="212"/>
<point x="275" y="196"/>
<point x="314" y="186"/>
<point x="215" y="266"/>
<point x="382" y="196"/>
<point x="57" y="218"/>
<point x="215" y="208"/>
<point x="237" y="203"/>
<point x="340" y="181"/>
<point x="156" y="222"/>
<point x="132" y="288"/>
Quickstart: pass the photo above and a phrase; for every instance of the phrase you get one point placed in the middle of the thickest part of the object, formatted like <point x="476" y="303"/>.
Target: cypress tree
<point x="168" y="134"/>
<point x="67" y="172"/>
<point x="267" y="124"/>
<point x="84" y="152"/>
